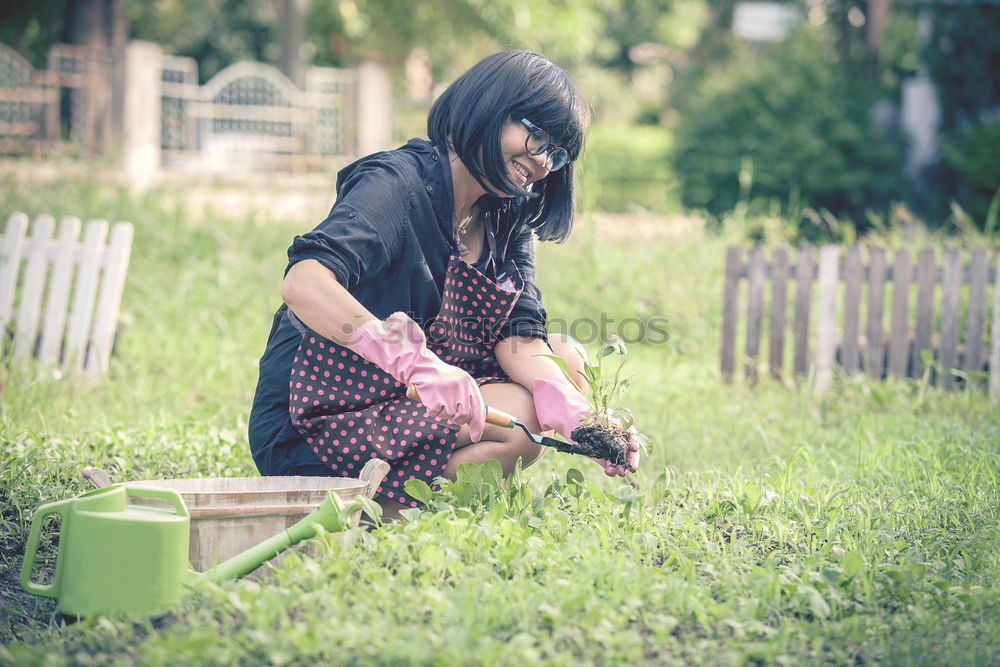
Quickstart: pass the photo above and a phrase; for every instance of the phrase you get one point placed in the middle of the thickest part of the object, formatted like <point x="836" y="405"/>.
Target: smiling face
<point x="473" y="118"/>
<point x="524" y="167"/>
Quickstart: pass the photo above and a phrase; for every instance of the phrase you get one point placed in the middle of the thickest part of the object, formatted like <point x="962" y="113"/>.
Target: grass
<point x="771" y="526"/>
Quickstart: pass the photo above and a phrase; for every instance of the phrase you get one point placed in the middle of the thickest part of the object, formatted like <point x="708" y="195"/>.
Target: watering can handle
<point x="373" y="473"/>
<point x="61" y="508"/>
<point x="97" y="477"/>
<point x="166" y="494"/>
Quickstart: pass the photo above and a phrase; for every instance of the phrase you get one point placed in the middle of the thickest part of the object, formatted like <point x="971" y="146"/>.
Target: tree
<point x="293" y="29"/>
<point x="101" y="26"/>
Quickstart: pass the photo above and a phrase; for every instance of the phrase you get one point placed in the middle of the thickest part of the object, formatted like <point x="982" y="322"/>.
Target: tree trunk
<point x="100" y="25"/>
<point x="293" y="30"/>
<point x="878" y="17"/>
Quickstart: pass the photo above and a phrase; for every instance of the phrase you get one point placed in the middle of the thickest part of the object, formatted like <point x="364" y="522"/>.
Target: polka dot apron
<point x="349" y="410"/>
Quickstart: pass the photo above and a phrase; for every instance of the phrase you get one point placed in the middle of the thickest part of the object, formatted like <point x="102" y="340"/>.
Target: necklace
<point x="463" y="224"/>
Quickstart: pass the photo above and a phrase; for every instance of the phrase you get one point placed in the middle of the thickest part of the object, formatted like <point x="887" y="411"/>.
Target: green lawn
<point x="770" y="526"/>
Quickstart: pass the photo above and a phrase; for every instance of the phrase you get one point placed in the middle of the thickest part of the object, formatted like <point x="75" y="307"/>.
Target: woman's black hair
<point x="469" y="118"/>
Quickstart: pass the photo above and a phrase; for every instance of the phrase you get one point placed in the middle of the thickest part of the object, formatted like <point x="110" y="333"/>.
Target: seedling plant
<point x="605" y="434"/>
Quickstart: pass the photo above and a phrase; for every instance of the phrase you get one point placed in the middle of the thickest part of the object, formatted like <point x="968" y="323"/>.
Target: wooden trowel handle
<point x="493" y="416"/>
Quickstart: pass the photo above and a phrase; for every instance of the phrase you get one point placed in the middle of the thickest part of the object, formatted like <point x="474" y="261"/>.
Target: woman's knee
<point x="513" y="399"/>
<point x="518" y="401"/>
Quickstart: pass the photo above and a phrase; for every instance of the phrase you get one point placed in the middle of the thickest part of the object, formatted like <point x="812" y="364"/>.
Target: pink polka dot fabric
<point x="349" y="410"/>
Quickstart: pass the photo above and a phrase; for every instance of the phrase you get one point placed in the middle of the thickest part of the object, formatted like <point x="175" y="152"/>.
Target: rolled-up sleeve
<point x="364" y="230"/>
<point x="527" y="319"/>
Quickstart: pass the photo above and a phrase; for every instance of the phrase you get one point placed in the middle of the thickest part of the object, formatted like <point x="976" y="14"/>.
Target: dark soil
<point x="601" y="441"/>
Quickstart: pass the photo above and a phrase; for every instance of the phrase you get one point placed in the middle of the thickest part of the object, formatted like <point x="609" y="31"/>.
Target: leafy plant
<point x="607" y="431"/>
<point x="603" y="388"/>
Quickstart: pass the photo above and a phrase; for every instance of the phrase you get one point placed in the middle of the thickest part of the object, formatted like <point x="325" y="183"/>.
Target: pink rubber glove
<point x="561" y="407"/>
<point x="398" y="346"/>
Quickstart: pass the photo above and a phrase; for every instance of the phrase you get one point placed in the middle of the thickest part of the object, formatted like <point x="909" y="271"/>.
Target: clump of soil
<point x="601" y="441"/>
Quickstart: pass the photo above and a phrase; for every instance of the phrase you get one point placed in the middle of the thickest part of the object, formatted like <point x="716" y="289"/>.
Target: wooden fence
<point x="912" y="309"/>
<point x="64" y="306"/>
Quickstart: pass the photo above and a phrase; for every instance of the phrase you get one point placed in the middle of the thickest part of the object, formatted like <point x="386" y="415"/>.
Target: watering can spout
<point x="328" y="515"/>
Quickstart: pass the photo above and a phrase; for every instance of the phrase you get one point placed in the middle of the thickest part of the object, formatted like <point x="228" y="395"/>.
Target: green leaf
<point x="465" y="491"/>
<point x="431" y="554"/>
<point x="753" y="496"/>
<point x="496" y="514"/>
<point x="369" y="507"/>
<point x="851" y="563"/>
<point x="469" y="472"/>
<point x="624" y="415"/>
<point x="819" y="607"/>
<point x="898" y="576"/>
<point x="990" y="225"/>
<point x="574" y="476"/>
<point x="614" y="345"/>
<point x="493" y="473"/>
<point x="419" y="490"/>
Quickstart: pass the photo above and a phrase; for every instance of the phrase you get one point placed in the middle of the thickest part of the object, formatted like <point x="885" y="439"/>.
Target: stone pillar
<point x="374" y="107"/>
<point x="419" y="81"/>
<point x="141" y="130"/>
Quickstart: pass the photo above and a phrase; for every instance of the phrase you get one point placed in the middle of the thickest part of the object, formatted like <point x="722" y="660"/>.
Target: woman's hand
<point x="450" y="393"/>
<point x="560" y="407"/>
<point x="631" y="456"/>
<point x="398" y="346"/>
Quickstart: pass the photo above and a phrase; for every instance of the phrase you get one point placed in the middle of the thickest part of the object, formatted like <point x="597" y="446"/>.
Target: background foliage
<point x="817" y="117"/>
<point x="800" y="119"/>
<point x="770" y="526"/>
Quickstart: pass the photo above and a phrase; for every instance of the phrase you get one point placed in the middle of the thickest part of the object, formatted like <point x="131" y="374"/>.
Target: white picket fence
<point x="63" y="307"/>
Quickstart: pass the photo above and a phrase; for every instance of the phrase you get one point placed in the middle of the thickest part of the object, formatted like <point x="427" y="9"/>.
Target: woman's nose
<point x="540" y="160"/>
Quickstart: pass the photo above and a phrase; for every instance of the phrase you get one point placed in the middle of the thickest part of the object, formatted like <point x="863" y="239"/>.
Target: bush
<point x="625" y="168"/>
<point x="797" y="119"/>
<point x="973" y="152"/>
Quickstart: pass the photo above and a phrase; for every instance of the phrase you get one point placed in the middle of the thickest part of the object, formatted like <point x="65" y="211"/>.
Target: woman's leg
<point x="507" y="445"/>
<point x="498" y="443"/>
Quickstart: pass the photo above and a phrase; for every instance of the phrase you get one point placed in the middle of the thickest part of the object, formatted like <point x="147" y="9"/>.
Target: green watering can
<point x="116" y="557"/>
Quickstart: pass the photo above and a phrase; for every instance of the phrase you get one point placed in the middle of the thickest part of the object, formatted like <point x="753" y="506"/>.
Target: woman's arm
<point x="314" y="294"/>
<point x="520" y="359"/>
<point x="559" y="404"/>
<point x="397" y="345"/>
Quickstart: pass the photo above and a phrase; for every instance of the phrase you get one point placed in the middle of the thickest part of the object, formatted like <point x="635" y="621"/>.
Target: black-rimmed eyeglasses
<point x="539" y="141"/>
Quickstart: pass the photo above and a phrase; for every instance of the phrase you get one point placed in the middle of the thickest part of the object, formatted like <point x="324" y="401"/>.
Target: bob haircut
<point x="470" y="116"/>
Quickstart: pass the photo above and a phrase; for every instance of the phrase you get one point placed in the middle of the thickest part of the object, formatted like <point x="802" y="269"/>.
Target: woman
<point x="422" y="275"/>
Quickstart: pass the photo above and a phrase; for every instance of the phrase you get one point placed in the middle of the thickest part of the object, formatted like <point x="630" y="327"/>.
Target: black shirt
<point x="388" y="239"/>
